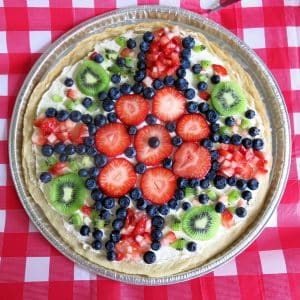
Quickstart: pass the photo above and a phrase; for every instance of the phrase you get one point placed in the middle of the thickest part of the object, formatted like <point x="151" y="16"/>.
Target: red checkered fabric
<point x="32" y="269"/>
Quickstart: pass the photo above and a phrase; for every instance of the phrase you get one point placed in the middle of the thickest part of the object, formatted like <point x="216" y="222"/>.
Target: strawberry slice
<point x="72" y="94"/>
<point x="168" y="104"/>
<point x="117" y="177"/>
<point x="192" y="128"/>
<point x="168" y="238"/>
<point x="60" y="168"/>
<point x="132" y="109"/>
<point x="147" y="154"/>
<point x="219" y="70"/>
<point x="191" y="161"/>
<point x="227" y="218"/>
<point x="112" y="139"/>
<point x="158" y="185"/>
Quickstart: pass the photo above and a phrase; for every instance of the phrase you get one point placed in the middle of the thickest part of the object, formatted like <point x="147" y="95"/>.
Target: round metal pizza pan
<point x="265" y="83"/>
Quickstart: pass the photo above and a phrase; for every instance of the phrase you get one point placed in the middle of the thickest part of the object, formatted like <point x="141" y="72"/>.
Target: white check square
<point x="83" y="3"/>
<point x="295" y="79"/>
<point x="175" y="3"/>
<point x="3" y="85"/>
<point x="255" y="37"/>
<point x="298" y="167"/>
<point x="82" y="274"/>
<point x="32" y="227"/>
<point x="3" y="129"/>
<point x="39" y="40"/>
<point x="3" y="175"/>
<point x="209" y="4"/>
<point x="229" y="269"/>
<point x="293" y="36"/>
<point x="272" y="262"/>
<point x="291" y="2"/>
<point x="296" y="117"/>
<point x="251" y="3"/>
<point x="273" y="220"/>
<point x="38" y="3"/>
<point x="37" y="269"/>
<point x="3" y="44"/>
<point x="2" y="220"/>
<point x="125" y="3"/>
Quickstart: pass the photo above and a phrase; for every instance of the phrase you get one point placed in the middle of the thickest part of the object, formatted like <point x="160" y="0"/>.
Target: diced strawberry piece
<point x="92" y="56"/>
<point x="168" y="104"/>
<point x="176" y="40"/>
<point x="219" y="69"/>
<point x="192" y="128"/>
<point x="148" y="226"/>
<point x="227" y="218"/>
<point x="51" y="138"/>
<point x="191" y="161"/>
<point x="147" y="154"/>
<point x="59" y="168"/>
<point x="117" y="177"/>
<point x="132" y="109"/>
<point x="140" y="226"/>
<point x="129" y="218"/>
<point x="159" y="32"/>
<point x="112" y="139"/>
<point x="168" y="238"/>
<point x="237" y="156"/>
<point x="38" y="139"/>
<point x="63" y="136"/>
<point x="126" y="52"/>
<point x="227" y="171"/>
<point x="72" y="94"/>
<point x="86" y="210"/>
<point x="38" y="122"/>
<point x="204" y="95"/>
<point x="78" y="133"/>
<point x="226" y="163"/>
<point x="158" y="185"/>
<point x="48" y="126"/>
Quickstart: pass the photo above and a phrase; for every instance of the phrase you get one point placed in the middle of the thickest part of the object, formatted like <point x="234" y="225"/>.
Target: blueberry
<point x="179" y="194"/>
<point x="158" y="222"/>
<point x="185" y="63"/>
<point x="173" y="204"/>
<point x="62" y="115"/>
<point x="98" y="206"/>
<point x="63" y="157"/>
<point x="202" y="86"/>
<point x="148" y="36"/>
<point x="194" y="182"/>
<point x="148" y="92"/>
<point x="96" y="244"/>
<point x="215" y="79"/>
<point x="258" y="144"/>
<point x="125" y="88"/>
<point x="108" y="203"/>
<point x="131" y="43"/>
<point x="181" y="84"/>
<point x="118" y="224"/>
<point x="109" y="245"/>
<point x="229" y="121"/>
<point x="98" y="58"/>
<point x="196" y="68"/>
<point x="241" y="184"/>
<point x="90" y="183"/>
<point x="75" y="116"/>
<point x="176" y="140"/>
<point x="188" y="42"/>
<point x="86" y="119"/>
<point x="102" y="96"/>
<point x="186" y="53"/>
<point x="151" y="210"/>
<point x="169" y="80"/>
<point x="105" y="214"/>
<point x="151" y="119"/>
<point x="224" y="138"/>
<point x="186" y="205"/>
<point x="140" y="168"/>
<point x="203" y="198"/>
<point x="139" y="75"/>
<point x="191" y="246"/>
<point x="214" y="127"/>
<point x="144" y="46"/>
<point x="231" y="181"/>
<point x="241" y="212"/>
<point x="141" y="65"/>
<point x="135" y="193"/>
<point x="220" y="182"/>
<point x="124" y="201"/>
<point x="51" y="112"/>
<point x="100" y="160"/>
<point x="157" y="84"/>
<point x="149" y="257"/>
<point x="100" y="120"/>
<point x="171" y="126"/>
<point x="111" y="255"/>
<point x="190" y="94"/>
<point x="164" y="209"/>
<point x="203" y="107"/>
<point x="247" y="195"/>
<point x="214" y="137"/>
<point x="212" y="116"/>
<point x="45" y="177"/>
<point x="85" y="230"/>
<point x="87" y="102"/>
<point x="220" y="207"/>
<point x="141" y="204"/>
<point x="96" y="194"/>
<point x="254" y="131"/>
<point x="93" y="172"/>
<point x="89" y="141"/>
<point x="137" y="88"/>
<point x="214" y="154"/>
<point x="181" y="72"/>
<point x="97" y="234"/>
<point x="191" y="106"/>
<point x="155" y="245"/>
<point x="47" y="150"/>
<point x="247" y="143"/>
<point x="108" y="105"/>
<point x="70" y="149"/>
<point x="215" y="165"/>
<point x="130" y="152"/>
<point x="59" y="148"/>
<point x="182" y="182"/>
<point x="132" y="130"/>
<point x="121" y="213"/>
<point x="112" y="117"/>
<point x="156" y="234"/>
<point x="114" y="93"/>
<point x="210" y="175"/>
<point x="167" y="163"/>
<point x="236" y="139"/>
<point x="252" y="184"/>
<point x="204" y="183"/>
<point x="121" y="61"/>
<point x="115" y="78"/>
<point x="207" y="143"/>
<point x="250" y="114"/>
<point x="68" y="82"/>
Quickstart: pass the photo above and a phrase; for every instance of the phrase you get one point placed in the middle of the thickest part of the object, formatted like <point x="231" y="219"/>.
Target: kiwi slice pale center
<point x="67" y="194"/>
<point x="230" y="98"/>
<point x="90" y="77"/>
<point x="202" y="222"/>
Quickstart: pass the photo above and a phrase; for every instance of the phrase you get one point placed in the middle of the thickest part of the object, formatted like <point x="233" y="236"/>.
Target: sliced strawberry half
<point x="158" y="185"/>
<point x="117" y="177"/>
<point x="132" y="109"/>
<point x="168" y="104"/>
<point x="191" y="161"/>
<point x="219" y="69"/>
<point x="192" y="128"/>
<point x="112" y="139"/>
<point x="147" y="154"/>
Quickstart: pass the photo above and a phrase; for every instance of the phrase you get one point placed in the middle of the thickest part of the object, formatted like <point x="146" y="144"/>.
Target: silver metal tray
<point x="263" y="79"/>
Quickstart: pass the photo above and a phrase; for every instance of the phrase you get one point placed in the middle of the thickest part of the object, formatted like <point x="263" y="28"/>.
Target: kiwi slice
<point x="67" y="193"/>
<point x="76" y="220"/>
<point x="228" y="98"/>
<point x="91" y="78"/>
<point x="176" y="224"/>
<point x="179" y="244"/>
<point x="233" y="195"/>
<point x="201" y="223"/>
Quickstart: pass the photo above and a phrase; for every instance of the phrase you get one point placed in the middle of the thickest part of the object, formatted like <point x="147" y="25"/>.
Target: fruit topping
<point x="220" y="70"/>
<point x="227" y="218"/>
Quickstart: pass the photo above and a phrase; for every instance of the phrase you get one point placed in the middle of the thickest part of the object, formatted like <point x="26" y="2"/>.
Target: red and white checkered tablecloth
<point x="30" y="268"/>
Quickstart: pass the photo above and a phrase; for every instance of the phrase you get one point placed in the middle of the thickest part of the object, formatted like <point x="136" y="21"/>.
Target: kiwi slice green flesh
<point x="67" y="193"/>
<point x="201" y="223"/>
<point x="91" y="78"/>
<point x="179" y="244"/>
<point x="228" y="99"/>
